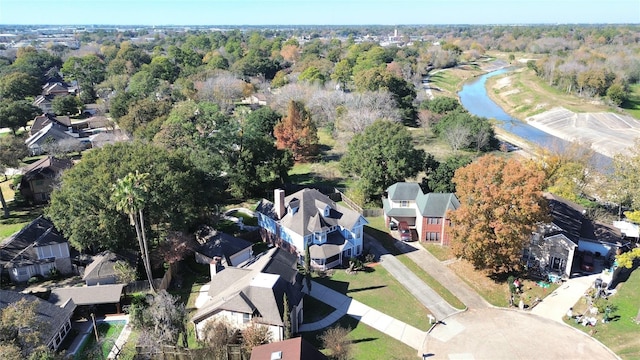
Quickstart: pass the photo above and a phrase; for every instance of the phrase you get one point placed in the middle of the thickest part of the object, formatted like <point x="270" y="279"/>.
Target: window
<point x="434" y="221"/>
<point x="404" y="203"/>
<point x="246" y="318"/>
<point x="433" y="236"/>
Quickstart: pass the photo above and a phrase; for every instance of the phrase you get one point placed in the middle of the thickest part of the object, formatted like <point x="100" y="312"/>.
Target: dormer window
<point x="323" y="208"/>
<point x="404" y="203"/>
<point x="294" y="204"/>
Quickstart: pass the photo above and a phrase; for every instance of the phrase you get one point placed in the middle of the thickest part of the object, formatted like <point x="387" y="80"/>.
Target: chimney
<point x="214" y="266"/>
<point x="278" y="201"/>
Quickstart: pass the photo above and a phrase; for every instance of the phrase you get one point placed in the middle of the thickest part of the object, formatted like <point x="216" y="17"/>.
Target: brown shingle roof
<point x="291" y="349"/>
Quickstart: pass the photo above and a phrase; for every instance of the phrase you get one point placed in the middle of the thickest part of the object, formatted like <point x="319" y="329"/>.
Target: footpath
<point x="345" y="305"/>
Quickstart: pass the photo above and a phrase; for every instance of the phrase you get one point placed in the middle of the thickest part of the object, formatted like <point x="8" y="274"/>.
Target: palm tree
<point x="129" y="196"/>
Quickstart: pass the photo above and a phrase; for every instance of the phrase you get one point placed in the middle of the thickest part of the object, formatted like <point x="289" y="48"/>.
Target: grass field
<point x="18" y="218"/>
<point x="621" y="334"/>
<point x="632" y="105"/>
<point x="523" y="94"/>
<point x="381" y="291"/>
<point x="367" y="342"/>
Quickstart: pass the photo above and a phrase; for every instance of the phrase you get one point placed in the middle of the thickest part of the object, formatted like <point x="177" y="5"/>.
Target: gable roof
<point x="258" y="289"/>
<point x="20" y="248"/>
<point x="569" y="217"/>
<point x="223" y="245"/>
<point x="437" y="204"/>
<point x="87" y="295"/>
<point x="291" y="349"/>
<point x="404" y="191"/>
<point x="52" y="316"/>
<point x="103" y="264"/>
<point x="303" y="217"/>
<point x="47" y="167"/>
<point x="47" y="131"/>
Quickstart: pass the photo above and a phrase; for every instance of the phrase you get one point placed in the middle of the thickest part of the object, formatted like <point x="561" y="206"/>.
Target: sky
<point x="317" y="12"/>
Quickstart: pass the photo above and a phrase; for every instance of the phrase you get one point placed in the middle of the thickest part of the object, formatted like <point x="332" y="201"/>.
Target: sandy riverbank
<point x="590" y="123"/>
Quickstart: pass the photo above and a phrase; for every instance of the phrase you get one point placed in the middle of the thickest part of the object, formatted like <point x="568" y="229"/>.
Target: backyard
<point x="108" y="332"/>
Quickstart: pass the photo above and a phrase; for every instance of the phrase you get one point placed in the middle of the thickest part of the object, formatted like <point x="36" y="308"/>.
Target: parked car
<point x="393" y="226"/>
<point x="587" y="263"/>
<point x="405" y="232"/>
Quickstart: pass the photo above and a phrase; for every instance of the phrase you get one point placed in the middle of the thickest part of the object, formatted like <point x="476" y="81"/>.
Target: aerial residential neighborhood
<point x="463" y="189"/>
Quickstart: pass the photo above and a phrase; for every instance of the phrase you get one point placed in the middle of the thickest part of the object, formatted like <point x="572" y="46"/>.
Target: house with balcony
<point x="426" y="213"/>
<point x="311" y="219"/>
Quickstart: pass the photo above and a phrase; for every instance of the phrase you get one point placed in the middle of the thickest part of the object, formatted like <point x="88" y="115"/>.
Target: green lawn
<point x="632" y="105"/>
<point x="18" y="218"/>
<point x="621" y="334"/>
<point x="378" y="230"/>
<point x="381" y="291"/>
<point x="367" y="342"/>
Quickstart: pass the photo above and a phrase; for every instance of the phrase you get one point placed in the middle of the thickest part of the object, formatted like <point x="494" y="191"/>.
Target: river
<point x="474" y="98"/>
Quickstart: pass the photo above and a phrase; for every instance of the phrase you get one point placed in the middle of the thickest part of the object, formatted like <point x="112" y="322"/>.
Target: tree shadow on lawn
<point x="339" y="286"/>
<point x="366" y="288"/>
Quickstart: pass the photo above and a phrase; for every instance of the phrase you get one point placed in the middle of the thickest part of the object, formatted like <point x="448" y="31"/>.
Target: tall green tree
<point x="381" y="156"/>
<point x="18" y="85"/>
<point x="16" y="114"/>
<point x="83" y="207"/>
<point x="129" y="195"/>
<point x="501" y="204"/>
<point x="12" y="150"/>
<point x="66" y="105"/>
<point x="439" y="177"/>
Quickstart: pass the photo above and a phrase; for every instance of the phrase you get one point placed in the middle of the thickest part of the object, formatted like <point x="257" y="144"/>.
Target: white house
<point x="332" y="232"/>
<point x="37" y="249"/>
<point x="255" y="293"/>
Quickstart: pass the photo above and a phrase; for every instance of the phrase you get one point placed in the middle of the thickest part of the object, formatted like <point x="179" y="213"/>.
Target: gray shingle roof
<point x="302" y="213"/>
<point x="102" y="265"/>
<point x="223" y="245"/>
<point x="88" y="295"/>
<point x="52" y="316"/>
<point x="404" y="191"/>
<point x="437" y="204"/>
<point x="20" y="248"/>
<point x="258" y="289"/>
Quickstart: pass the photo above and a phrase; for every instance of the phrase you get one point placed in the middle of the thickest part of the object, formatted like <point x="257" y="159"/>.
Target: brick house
<point x="426" y="213"/>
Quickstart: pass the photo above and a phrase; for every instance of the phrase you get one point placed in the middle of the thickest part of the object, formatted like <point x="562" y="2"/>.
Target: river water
<point x="474" y="98"/>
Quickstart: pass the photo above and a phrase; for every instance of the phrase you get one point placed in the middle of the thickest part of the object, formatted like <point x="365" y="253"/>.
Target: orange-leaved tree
<point x="297" y="132"/>
<point x="501" y="203"/>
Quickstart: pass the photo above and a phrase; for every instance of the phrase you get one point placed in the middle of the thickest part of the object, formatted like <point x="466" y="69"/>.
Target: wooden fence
<point x="160" y="284"/>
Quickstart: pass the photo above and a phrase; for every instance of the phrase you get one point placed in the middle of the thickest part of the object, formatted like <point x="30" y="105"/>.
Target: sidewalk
<point x="421" y="291"/>
<point x="345" y="305"/>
